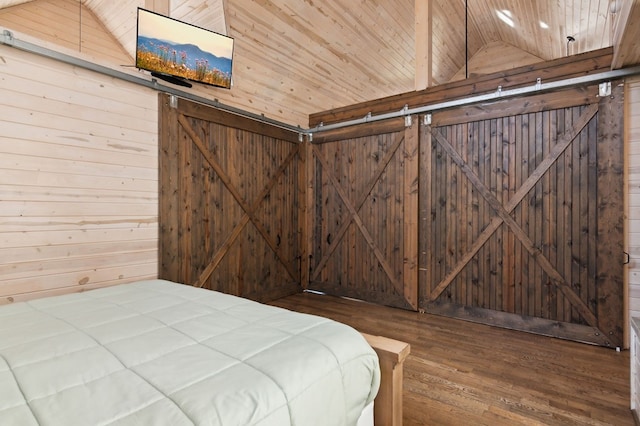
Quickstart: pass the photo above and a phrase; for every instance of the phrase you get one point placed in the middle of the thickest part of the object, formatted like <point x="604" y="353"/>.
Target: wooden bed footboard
<point x="388" y="402"/>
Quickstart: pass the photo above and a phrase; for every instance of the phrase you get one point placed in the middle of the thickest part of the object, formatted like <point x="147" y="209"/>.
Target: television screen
<point x="168" y="47"/>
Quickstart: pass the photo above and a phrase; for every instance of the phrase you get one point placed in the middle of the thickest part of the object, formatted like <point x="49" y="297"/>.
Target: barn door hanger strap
<point x="407" y="116"/>
<point x="604" y="89"/>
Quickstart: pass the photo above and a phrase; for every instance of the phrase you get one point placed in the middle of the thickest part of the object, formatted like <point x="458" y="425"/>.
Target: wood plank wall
<point x="78" y="178"/>
<point x="632" y="148"/>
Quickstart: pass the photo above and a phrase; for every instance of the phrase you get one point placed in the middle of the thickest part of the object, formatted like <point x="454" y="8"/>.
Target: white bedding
<point x="160" y="353"/>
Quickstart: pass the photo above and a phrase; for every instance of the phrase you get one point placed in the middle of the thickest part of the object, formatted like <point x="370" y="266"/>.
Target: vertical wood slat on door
<point x="463" y="203"/>
<point x="547" y="126"/>
<point x="510" y="169"/>
<point x="497" y="253"/>
<point x="520" y="126"/>
<point x="410" y="214"/>
<point x="540" y="277"/>
<point x="185" y="153"/>
<point x="580" y="185"/>
<point x="425" y="191"/>
<point x="565" y="239"/>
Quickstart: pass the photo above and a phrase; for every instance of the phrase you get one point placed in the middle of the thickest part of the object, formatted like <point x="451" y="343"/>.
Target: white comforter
<point x="160" y="353"/>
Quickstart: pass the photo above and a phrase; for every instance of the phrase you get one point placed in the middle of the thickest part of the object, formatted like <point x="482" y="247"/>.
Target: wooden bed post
<point x="388" y="402"/>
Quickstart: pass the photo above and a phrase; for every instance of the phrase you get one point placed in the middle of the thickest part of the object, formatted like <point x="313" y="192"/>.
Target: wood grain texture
<point x="78" y="185"/>
<point x="626" y="32"/>
<point x="610" y="230"/>
<point x="484" y="60"/>
<point x="558" y="69"/>
<point x="233" y="192"/>
<point x="388" y="402"/>
<point x="294" y="58"/>
<point x="365" y="216"/>
<point x="424" y="44"/>
<point x="409" y="211"/>
<point x="465" y="373"/>
<point x="632" y="179"/>
<point x="556" y="247"/>
<point x="69" y="24"/>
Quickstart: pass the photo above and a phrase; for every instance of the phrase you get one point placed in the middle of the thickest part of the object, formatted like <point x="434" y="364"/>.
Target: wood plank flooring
<point x="461" y="373"/>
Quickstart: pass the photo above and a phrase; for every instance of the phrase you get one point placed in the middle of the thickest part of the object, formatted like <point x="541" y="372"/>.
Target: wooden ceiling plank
<point x="253" y="45"/>
<point x="158" y="6"/>
<point x="546" y="37"/>
<point x="626" y="36"/>
<point x="370" y="28"/>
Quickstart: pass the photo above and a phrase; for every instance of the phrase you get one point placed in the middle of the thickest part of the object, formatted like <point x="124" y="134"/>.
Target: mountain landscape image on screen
<point x="183" y="60"/>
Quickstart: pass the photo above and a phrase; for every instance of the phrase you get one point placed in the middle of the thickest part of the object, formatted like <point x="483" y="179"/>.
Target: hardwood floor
<point x="461" y="373"/>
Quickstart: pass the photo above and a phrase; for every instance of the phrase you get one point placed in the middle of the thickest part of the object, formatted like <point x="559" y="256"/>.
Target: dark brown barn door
<point x="523" y="223"/>
<point x="363" y="214"/>
<point x="229" y="209"/>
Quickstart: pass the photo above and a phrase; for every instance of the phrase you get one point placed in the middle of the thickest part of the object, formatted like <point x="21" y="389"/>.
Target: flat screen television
<point x="179" y="52"/>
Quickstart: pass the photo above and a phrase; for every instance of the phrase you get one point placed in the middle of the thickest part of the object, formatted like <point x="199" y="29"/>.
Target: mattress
<point x="156" y="352"/>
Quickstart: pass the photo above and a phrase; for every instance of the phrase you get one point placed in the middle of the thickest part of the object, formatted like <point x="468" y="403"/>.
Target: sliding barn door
<point x="523" y="222"/>
<point x="363" y="213"/>
<point x="229" y="210"/>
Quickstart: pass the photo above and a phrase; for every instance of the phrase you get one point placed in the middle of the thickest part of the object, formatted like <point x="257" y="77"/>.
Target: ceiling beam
<point x="626" y="33"/>
<point x="424" y="51"/>
<point x="159" y="6"/>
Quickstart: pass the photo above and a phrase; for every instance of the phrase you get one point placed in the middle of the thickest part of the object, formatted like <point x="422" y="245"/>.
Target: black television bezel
<point x="175" y="78"/>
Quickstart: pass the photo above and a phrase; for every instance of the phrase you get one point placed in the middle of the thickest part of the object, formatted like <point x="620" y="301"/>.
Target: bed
<point x="157" y="352"/>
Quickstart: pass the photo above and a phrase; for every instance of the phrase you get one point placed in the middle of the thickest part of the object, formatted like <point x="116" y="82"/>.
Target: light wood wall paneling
<point x="47" y="21"/>
<point x="208" y="14"/>
<point x="632" y="155"/>
<point x="448" y="39"/>
<point x="159" y="6"/>
<point x="309" y="29"/>
<point x="78" y="179"/>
